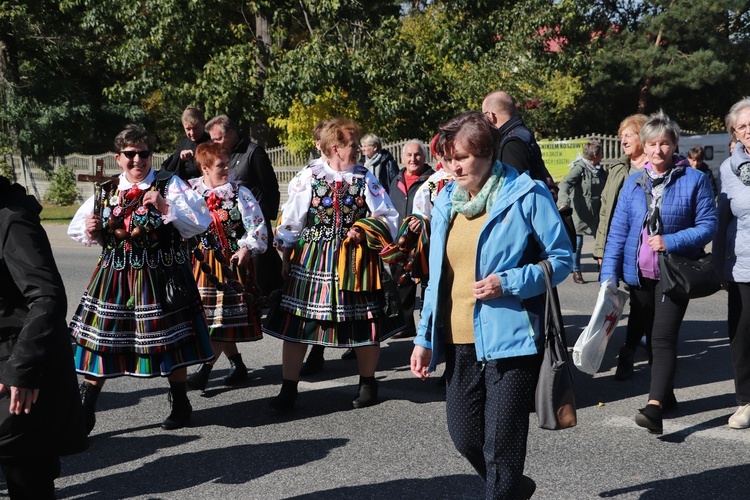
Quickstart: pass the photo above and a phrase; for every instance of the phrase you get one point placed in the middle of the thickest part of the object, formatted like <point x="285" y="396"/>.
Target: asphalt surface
<point x="237" y="448"/>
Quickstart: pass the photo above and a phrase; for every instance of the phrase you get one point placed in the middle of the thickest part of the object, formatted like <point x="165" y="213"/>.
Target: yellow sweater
<point x="460" y="262"/>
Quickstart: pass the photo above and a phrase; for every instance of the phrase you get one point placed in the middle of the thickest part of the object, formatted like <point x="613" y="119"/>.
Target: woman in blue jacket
<point x="489" y="229"/>
<point x="666" y="208"/>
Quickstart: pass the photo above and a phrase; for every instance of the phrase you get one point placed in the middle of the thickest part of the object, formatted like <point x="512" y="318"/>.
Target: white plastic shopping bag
<point x="590" y="346"/>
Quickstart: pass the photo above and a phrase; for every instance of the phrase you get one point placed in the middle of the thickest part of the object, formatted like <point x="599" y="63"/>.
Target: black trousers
<point x="739" y="338"/>
<point x="488" y="414"/>
<point x="662" y="317"/>
<point x="31" y="479"/>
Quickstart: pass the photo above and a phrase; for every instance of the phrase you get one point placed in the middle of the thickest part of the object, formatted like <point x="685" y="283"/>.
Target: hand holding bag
<point x="591" y="344"/>
<point x="555" y="400"/>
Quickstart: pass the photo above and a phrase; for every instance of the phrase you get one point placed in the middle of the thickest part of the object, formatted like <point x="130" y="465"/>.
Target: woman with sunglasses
<point x="141" y="314"/>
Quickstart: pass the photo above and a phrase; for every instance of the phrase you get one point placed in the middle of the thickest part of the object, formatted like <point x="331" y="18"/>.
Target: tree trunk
<point x="260" y="130"/>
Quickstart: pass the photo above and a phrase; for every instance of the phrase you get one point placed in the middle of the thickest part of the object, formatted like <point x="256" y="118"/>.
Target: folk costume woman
<point x="332" y="205"/>
<point x="236" y="235"/>
<point x="141" y="314"/>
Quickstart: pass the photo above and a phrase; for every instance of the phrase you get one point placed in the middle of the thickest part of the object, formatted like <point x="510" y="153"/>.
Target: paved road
<point x="400" y="448"/>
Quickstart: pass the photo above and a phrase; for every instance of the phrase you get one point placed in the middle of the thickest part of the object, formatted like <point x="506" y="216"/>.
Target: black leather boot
<point x="368" y="393"/>
<point x="314" y="361"/>
<point x="625" y="364"/>
<point x="287" y="396"/>
<point x="181" y="409"/>
<point x="89" y="395"/>
<point x="198" y="380"/>
<point x="238" y="371"/>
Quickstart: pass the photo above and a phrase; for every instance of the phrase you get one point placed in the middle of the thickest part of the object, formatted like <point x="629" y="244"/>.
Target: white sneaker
<point x="741" y="418"/>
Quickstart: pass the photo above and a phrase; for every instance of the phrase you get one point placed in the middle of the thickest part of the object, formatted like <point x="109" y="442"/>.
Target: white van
<point x="715" y="147"/>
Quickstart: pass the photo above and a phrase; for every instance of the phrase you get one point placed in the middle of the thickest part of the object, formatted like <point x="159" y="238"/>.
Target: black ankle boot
<point x="287" y="396"/>
<point x="368" y="393"/>
<point x="314" y="361"/>
<point x="198" y="380"/>
<point x="238" y="371"/>
<point x="650" y="418"/>
<point x="181" y="409"/>
<point x="89" y="395"/>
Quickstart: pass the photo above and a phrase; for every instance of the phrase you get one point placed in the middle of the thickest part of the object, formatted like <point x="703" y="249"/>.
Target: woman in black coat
<point x="40" y="409"/>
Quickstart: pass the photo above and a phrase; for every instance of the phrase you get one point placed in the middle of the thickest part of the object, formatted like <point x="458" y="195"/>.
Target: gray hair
<point x="733" y="112"/>
<point x="418" y="143"/>
<point x="591" y="149"/>
<point x="223" y="121"/>
<point x="371" y="140"/>
<point x="660" y="125"/>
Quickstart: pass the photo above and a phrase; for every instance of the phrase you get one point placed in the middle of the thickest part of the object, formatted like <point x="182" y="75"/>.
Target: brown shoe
<point x="578" y="277"/>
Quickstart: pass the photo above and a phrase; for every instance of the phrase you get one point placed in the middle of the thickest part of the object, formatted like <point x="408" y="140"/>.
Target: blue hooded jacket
<point x="522" y="228"/>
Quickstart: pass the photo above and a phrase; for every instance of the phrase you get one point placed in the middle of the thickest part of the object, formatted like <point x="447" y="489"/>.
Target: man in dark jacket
<point x="249" y="164"/>
<point x="378" y="161"/>
<point x="517" y="147"/>
<point x="182" y="161"/>
<point x="402" y="191"/>
<point x="40" y="409"/>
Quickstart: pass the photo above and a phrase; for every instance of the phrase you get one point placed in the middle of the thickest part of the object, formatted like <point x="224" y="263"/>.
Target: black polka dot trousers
<point x="488" y="407"/>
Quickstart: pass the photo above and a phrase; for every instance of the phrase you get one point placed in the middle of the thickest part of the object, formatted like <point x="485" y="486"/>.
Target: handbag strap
<point x="552" y="308"/>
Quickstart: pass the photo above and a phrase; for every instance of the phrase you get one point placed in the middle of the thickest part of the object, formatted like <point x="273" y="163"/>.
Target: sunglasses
<point x="141" y="154"/>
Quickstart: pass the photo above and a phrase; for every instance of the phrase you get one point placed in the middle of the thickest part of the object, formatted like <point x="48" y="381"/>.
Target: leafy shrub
<point x="5" y="168"/>
<point x="62" y="189"/>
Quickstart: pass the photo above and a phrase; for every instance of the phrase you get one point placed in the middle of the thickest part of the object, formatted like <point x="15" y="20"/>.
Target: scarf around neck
<point x="463" y="203"/>
<point x="740" y="163"/>
<point x="371" y="162"/>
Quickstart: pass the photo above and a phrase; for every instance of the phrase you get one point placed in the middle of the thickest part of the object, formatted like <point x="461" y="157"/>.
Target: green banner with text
<point x="558" y="155"/>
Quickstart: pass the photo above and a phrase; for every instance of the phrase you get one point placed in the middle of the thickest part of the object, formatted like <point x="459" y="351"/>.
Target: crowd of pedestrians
<point x="191" y="264"/>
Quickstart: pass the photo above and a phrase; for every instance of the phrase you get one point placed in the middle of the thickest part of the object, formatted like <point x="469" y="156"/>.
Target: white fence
<point x="33" y="176"/>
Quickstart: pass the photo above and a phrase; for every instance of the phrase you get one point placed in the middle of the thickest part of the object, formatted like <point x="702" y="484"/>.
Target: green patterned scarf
<point x="470" y="207"/>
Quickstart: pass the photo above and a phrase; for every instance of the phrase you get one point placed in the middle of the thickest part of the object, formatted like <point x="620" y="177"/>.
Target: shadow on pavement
<point x="456" y="486"/>
<point x="726" y="483"/>
<point x="231" y="465"/>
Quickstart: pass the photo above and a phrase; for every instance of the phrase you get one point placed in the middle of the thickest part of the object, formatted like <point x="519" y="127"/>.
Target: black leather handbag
<point x="686" y="278"/>
<point x="176" y="295"/>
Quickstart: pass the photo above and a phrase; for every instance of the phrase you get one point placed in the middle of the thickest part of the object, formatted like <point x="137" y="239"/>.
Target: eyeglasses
<point x="141" y="154"/>
<point x="742" y="128"/>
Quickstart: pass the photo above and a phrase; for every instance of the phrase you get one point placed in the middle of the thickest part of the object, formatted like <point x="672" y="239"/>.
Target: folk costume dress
<point x="236" y="222"/>
<point x="315" y="309"/>
<point x="123" y="324"/>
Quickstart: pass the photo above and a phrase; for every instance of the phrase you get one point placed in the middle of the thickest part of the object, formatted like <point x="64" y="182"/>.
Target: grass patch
<point x="54" y="214"/>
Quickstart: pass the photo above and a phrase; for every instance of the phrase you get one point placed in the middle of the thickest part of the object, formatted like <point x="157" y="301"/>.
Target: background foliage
<point x="74" y="72"/>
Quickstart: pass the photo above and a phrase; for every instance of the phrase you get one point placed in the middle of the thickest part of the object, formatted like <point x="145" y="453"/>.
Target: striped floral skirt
<point x="121" y="326"/>
<point x="231" y="316"/>
<point x="314" y="310"/>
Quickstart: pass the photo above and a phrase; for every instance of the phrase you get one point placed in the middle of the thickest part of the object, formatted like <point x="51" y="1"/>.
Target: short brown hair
<point x="335" y="132"/>
<point x="132" y="135"/>
<point x="473" y="130"/>
<point x="696" y="154"/>
<point x="193" y="115"/>
<point x="207" y="152"/>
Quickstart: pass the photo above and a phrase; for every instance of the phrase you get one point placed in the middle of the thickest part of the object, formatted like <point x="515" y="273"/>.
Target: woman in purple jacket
<point x="666" y="208"/>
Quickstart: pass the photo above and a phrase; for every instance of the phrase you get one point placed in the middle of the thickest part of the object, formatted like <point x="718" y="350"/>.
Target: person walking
<point x="40" y="409"/>
<point x="334" y="204"/>
<point x="669" y="207"/>
<point x="490" y="228"/>
<point x="581" y="189"/>
<point x="141" y="314"/>
<point x="631" y="162"/>
<point x="236" y="236"/>
<point x="731" y="251"/>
